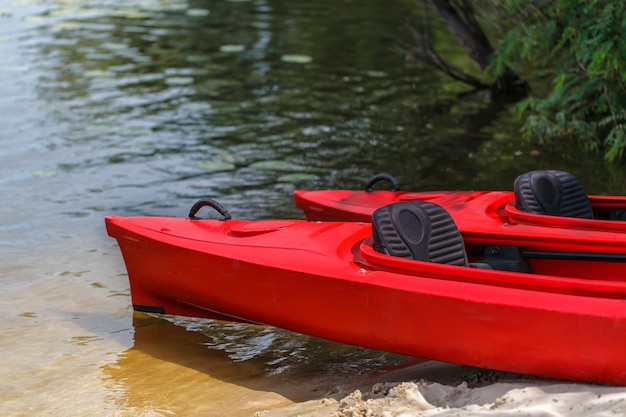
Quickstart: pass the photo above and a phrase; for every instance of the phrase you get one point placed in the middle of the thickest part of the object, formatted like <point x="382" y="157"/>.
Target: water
<point x="140" y="109"/>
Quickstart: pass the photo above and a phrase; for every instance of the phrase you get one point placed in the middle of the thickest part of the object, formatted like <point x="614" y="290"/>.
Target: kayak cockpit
<point x="556" y="198"/>
<point x="420" y="239"/>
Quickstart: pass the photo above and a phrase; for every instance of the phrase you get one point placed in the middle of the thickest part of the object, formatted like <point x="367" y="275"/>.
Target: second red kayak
<point x="540" y="199"/>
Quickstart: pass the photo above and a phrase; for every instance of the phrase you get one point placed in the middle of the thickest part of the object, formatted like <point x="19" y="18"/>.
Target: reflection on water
<point x="142" y="108"/>
<point x="252" y="367"/>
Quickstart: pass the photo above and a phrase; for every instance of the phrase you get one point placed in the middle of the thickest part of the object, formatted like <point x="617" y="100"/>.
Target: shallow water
<point x="112" y="108"/>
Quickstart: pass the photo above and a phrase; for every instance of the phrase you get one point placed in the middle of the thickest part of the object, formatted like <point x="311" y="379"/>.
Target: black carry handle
<point x="382" y="177"/>
<point x="211" y="203"/>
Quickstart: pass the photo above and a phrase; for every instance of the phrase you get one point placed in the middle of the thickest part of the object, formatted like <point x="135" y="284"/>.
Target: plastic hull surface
<point x="324" y="279"/>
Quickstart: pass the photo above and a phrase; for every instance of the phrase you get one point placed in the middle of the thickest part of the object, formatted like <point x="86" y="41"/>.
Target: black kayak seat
<point x="425" y="231"/>
<point x="418" y="230"/>
<point x="552" y="192"/>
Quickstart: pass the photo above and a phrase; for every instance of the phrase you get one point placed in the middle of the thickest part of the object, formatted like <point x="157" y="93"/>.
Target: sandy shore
<point x="437" y="389"/>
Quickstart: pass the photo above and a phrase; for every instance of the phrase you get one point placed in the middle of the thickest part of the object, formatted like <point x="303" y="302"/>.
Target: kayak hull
<point x="324" y="279"/>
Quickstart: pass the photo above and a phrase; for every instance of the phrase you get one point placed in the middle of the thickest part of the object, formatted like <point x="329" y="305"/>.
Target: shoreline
<point x="429" y="388"/>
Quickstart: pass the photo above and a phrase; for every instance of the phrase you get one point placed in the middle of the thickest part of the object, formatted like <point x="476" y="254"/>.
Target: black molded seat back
<point x="418" y="230"/>
<point x="551" y="192"/>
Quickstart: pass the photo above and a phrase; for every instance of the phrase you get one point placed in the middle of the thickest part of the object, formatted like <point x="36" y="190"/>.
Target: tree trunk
<point x="466" y="29"/>
<point x="460" y="18"/>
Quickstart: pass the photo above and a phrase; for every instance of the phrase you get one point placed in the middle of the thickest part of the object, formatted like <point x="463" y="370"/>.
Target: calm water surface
<point x="140" y="109"/>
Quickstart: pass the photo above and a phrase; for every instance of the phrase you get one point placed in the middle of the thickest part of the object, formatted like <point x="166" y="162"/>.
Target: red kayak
<point x="552" y="305"/>
<point x="544" y="198"/>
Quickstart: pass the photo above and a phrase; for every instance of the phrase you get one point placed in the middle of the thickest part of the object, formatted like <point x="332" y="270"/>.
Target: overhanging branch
<point x="460" y="18"/>
<point x="424" y="51"/>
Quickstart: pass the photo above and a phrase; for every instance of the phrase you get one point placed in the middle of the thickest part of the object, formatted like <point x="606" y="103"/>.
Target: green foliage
<point x="582" y="43"/>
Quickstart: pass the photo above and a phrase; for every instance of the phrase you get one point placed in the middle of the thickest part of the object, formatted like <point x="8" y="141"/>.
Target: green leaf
<point x="297" y="59"/>
<point x="296" y="177"/>
<point x="215" y="165"/>
<point x="272" y="165"/>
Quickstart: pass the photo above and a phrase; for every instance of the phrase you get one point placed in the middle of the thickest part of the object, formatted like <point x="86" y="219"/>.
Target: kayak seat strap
<point x="418" y="230"/>
<point x="551" y="192"/>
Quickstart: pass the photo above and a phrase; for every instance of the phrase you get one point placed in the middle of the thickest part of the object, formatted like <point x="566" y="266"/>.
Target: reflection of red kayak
<point x="552" y="305"/>
<point x="562" y="204"/>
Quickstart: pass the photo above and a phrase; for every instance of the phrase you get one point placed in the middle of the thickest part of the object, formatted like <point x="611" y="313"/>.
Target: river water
<point x="142" y="108"/>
